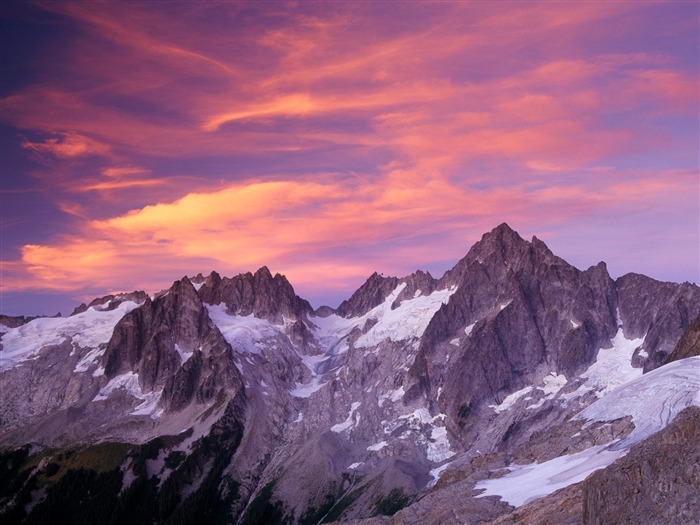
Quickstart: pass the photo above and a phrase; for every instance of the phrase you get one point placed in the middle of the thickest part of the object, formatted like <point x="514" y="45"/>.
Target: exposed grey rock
<point x="658" y="311"/>
<point x="689" y="344"/>
<point x="13" y="321"/>
<point x="301" y="416"/>
<point x="260" y="294"/>
<point x="151" y="340"/>
<point x="657" y="482"/>
<point x="563" y="507"/>
<point x="418" y="283"/>
<point x="377" y="288"/>
<point x="42" y="387"/>
<point x="324" y="311"/>
<point x="372" y="293"/>
<point x="527" y="312"/>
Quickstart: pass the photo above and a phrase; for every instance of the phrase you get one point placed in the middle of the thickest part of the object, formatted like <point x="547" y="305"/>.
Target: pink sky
<point x="143" y="141"/>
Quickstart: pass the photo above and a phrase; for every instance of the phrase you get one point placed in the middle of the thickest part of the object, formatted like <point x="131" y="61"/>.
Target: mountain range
<point x="515" y="388"/>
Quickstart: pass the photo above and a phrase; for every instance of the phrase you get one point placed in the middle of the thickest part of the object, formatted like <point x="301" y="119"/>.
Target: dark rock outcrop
<point x="657" y="482"/>
<point x="372" y="293"/>
<point x="13" y="321"/>
<point x="152" y="340"/>
<point x="689" y="345"/>
<point x="421" y="283"/>
<point x="377" y="288"/>
<point x="324" y="311"/>
<point x="260" y="294"/>
<point x="658" y="311"/>
<point x="526" y="312"/>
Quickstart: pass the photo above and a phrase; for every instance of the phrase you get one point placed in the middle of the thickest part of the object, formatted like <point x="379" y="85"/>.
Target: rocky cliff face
<point x="658" y="482"/>
<point x="412" y="402"/>
<point x="520" y="312"/>
<point x="13" y="321"/>
<point x="689" y="344"/>
<point x="658" y="311"/>
<point x="259" y="294"/>
<point x="371" y="294"/>
<point x="377" y="288"/>
<point x="172" y="345"/>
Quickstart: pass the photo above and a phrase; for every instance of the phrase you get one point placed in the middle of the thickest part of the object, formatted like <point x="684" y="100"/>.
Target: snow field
<point x="525" y="483"/>
<point x="652" y="400"/>
<point x="88" y="329"/>
<point x="612" y="367"/>
<point x="409" y="320"/>
<point x="245" y="333"/>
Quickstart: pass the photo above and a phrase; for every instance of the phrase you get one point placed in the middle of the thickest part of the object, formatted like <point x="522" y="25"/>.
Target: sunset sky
<point x="144" y="141"/>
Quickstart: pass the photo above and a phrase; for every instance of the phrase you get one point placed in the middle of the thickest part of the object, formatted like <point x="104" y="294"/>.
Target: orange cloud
<point x="295" y="227"/>
<point x="337" y="132"/>
<point x="320" y="67"/>
<point x="124" y="171"/>
<point x="118" y="178"/>
<point x="297" y="104"/>
<point x="67" y="145"/>
<point x="120" y="185"/>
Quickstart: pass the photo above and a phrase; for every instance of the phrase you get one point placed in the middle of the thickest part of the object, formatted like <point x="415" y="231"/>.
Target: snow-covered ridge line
<point x="88" y="329"/>
<point x="408" y="320"/>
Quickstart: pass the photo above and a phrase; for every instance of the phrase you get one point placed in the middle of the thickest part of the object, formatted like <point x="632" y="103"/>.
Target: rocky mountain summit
<point x="490" y="395"/>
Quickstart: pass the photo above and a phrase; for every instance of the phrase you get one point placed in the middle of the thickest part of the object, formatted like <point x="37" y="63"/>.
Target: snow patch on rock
<point x="552" y="384"/>
<point x="88" y="360"/>
<point x="510" y="400"/>
<point x="184" y="356"/>
<point x="130" y="382"/>
<point x="305" y="390"/>
<point x="438" y="446"/>
<point x="525" y="483"/>
<point x="612" y="368"/>
<point x="408" y="320"/>
<point x="437" y="472"/>
<point x="351" y="421"/>
<point x="424" y="429"/>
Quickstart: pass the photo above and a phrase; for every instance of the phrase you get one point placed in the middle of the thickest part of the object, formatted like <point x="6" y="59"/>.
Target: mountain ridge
<point x="238" y="390"/>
